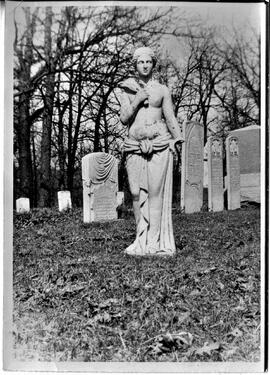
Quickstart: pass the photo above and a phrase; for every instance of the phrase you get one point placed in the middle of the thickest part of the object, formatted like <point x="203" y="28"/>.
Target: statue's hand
<point x="172" y="146"/>
<point x="179" y="139"/>
<point x="142" y="95"/>
<point x="173" y="143"/>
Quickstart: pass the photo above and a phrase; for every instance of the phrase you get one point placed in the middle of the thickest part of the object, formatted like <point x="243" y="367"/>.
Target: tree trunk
<point x="106" y="135"/>
<point x="76" y="133"/>
<point x="22" y="123"/>
<point x="60" y="141"/>
<point x="97" y="134"/>
<point x="97" y="146"/>
<point x="70" y="126"/>
<point x="34" y="173"/>
<point x="61" y="154"/>
<point x="24" y="143"/>
<point x="45" y="184"/>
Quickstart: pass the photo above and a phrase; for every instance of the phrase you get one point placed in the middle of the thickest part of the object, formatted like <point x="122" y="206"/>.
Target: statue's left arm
<point x="168" y="112"/>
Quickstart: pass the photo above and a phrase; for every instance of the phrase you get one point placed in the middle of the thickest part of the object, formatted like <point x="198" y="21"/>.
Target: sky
<point x="222" y="15"/>
<point x="225" y="13"/>
<point x="213" y="13"/>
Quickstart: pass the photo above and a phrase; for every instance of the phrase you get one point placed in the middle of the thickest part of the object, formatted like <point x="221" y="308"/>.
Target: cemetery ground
<point x="77" y="297"/>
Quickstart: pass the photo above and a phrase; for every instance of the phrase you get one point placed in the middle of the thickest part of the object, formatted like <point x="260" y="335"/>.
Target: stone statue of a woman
<point x="147" y="110"/>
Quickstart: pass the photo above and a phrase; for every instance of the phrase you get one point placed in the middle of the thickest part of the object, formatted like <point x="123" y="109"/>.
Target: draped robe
<point x="149" y="160"/>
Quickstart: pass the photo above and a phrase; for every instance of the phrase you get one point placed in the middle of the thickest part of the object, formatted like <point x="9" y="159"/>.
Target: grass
<point x="78" y="297"/>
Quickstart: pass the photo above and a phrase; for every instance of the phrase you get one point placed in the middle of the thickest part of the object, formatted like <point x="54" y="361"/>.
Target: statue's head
<point x="144" y="60"/>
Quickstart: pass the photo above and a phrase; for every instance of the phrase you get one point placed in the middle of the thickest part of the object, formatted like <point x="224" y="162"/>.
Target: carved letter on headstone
<point x="215" y="174"/>
<point x="64" y="200"/>
<point x="100" y="186"/>
<point x="22" y="205"/>
<point x="192" y="168"/>
<point x="233" y="172"/>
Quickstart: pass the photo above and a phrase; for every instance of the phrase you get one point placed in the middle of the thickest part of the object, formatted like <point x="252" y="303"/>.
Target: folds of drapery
<point x="97" y="168"/>
<point x="146" y="153"/>
<point x="147" y="146"/>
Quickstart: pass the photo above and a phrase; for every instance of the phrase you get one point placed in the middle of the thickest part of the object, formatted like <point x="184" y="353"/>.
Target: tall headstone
<point x="250" y="162"/>
<point x="22" y="205"/>
<point x="192" y="167"/>
<point x="215" y="174"/>
<point x="64" y="200"/>
<point x="100" y="186"/>
<point x="233" y="172"/>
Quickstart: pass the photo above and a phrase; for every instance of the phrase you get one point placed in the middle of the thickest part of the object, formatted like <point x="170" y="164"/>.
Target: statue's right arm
<point x="129" y="108"/>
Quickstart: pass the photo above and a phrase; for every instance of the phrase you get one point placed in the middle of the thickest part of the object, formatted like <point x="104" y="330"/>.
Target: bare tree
<point x="72" y="79"/>
<point x="240" y="95"/>
<point x="205" y="74"/>
<point x="23" y="119"/>
<point x="48" y="97"/>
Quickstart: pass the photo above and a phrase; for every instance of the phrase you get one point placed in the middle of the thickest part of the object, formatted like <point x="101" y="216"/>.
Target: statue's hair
<point x="144" y="50"/>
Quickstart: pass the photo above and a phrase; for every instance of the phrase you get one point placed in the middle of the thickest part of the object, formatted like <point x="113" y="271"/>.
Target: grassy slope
<point x="77" y="297"/>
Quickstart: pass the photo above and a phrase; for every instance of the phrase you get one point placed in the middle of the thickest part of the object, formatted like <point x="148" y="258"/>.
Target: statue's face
<point x="144" y="65"/>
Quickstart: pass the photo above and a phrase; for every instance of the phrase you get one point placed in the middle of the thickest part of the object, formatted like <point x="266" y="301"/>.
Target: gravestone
<point x="192" y="171"/>
<point x="22" y="205"/>
<point x="205" y="166"/>
<point x="64" y="200"/>
<point x="233" y="172"/>
<point x="215" y="174"/>
<point x="250" y="162"/>
<point x="100" y="186"/>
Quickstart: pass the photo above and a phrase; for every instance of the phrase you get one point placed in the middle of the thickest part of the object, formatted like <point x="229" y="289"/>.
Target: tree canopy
<point x="68" y="62"/>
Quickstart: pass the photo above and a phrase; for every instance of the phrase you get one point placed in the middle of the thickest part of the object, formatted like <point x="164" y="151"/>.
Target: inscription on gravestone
<point x="100" y="186"/>
<point x="192" y="170"/>
<point x="104" y="202"/>
<point x="233" y="172"/>
<point x="215" y="174"/>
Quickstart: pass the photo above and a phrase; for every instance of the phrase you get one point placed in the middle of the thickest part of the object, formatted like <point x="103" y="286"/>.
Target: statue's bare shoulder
<point x="166" y="90"/>
<point x="162" y="89"/>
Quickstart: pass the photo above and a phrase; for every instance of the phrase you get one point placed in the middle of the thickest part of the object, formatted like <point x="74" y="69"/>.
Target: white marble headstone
<point x="64" y="200"/>
<point x="233" y="172"/>
<point x="100" y="186"/>
<point x="215" y="174"/>
<point x="192" y="172"/>
<point x="22" y="205"/>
